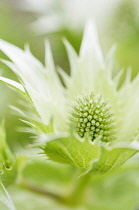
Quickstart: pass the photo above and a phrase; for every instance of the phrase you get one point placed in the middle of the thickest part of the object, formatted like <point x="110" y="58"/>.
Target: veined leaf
<point x="71" y="150"/>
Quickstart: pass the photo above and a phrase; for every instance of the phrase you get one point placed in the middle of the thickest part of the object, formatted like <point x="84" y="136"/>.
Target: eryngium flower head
<point x="106" y="136"/>
<point x="93" y="116"/>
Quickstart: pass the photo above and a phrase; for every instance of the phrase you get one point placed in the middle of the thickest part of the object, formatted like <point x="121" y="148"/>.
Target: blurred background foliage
<point x="33" y="21"/>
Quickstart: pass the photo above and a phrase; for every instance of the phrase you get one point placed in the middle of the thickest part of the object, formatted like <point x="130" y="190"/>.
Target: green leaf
<point x="9" y="175"/>
<point x="112" y="158"/>
<point x="6" y="156"/>
<point x="40" y="172"/>
<point x="87" y="155"/>
<point x="5" y="198"/>
<point x="71" y="150"/>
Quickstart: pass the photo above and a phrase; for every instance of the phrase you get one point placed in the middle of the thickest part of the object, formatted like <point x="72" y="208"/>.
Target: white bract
<point x="50" y="104"/>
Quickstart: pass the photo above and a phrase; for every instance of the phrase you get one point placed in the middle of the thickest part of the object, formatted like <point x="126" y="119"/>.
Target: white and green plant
<point x="85" y="119"/>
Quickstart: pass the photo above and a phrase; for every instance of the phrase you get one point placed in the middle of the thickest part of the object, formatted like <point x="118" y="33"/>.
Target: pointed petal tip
<point x="13" y="84"/>
<point x="49" y="62"/>
<point x="90" y="46"/>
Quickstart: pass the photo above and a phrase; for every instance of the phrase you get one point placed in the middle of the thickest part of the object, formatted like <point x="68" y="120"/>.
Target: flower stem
<point x="38" y="190"/>
<point x="78" y="192"/>
<point x="73" y="199"/>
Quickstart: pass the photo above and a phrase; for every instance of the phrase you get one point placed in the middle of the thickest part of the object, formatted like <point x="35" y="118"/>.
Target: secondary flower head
<point x="55" y="15"/>
<point x="89" y="122"/>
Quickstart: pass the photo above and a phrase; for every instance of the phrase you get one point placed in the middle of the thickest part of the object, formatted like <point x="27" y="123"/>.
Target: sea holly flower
<point x="89" y="122"/>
